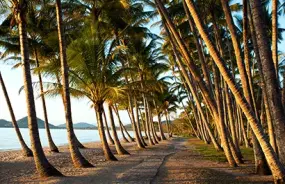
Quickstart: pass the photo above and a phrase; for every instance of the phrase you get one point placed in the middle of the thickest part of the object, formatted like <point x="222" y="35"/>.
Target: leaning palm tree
<point x="26" y="150"/>
<point x="44" y="168"/>
<point x="271" y="85"/>
<point x="275" y="165"/>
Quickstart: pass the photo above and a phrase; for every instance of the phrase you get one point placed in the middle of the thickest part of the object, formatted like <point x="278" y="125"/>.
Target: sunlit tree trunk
<point x="275" y="165"/>
<point x="111" y="141"/>
<point x="52" y="146"/>
<point x="271" y="85"/>
<point x="120" y="124"/>
<point x="44" y="168"/>
<point x="119" y="147"/>
<point x="275" y="35"/>
<point x="98" y="107"/>
<point x="132" y="116"/>
<point x="148" y="130"/>
<point x="78" y="144"/>
<point x="77" y="158"/>
<point x="152" y="131"/>
<point x="138" y="122"/>
<point x="159" y="122"/>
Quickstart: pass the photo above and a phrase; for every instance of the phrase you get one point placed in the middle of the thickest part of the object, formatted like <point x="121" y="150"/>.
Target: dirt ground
<point x="172" y="161"/>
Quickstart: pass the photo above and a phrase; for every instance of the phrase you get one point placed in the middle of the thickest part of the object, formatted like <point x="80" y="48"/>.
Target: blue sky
<point x="81" y="110"/>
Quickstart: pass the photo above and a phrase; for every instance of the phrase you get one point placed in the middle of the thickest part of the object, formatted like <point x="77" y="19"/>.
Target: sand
<point x="172" y="161"/>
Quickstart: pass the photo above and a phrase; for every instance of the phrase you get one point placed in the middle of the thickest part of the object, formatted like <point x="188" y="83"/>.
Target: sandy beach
<point x="172" y="161"/>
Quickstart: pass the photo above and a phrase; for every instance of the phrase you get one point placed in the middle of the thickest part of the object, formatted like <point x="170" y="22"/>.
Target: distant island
<point x="23" y="123"/>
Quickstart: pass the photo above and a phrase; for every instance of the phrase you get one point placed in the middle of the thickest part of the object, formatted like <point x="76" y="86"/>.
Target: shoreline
<point x="46" y="148"/>
<point x="16" y="168"/>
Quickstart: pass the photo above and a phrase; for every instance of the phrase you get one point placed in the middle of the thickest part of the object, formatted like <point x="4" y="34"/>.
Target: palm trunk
<point x="52" y="146"/>
<point x="143" y="124"/>
<point x="111" y="141"/>
<point x="137" y="137"/>
<point x="120" y="124"/>
<point x="77" y="158"/>
<point x="155" y="139"/>
<point x="275" y="36"/>
<point x="150" y="140"/>
<point x="199" y="49"/>
<point x="275" y="165"/>
<point x="222" y="126"/>
<point x="260" y="163"/>
<point x="271" y="85"/>
<point x="78" y="144"/>
<point x="159" y="122"/>
<point x="189" y="120"/>
<point x="138" y="122"/>
<point x="167" y="123"/>
<point x="160" y="127"/>
<point x="231" y="121"/>
<point x="119" y="147"/>
<point x="44" y="168"/>
<point x="106" y="149"/>
<point x="268" y="113"/>
<point x="271" y="134"/>
<point x="170" y="127"/>
<point x="25" y="149"/>
<point x="194" y="71"/>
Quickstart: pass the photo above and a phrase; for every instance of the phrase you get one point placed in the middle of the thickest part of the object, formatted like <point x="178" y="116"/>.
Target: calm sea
<point x="9" y="140"/>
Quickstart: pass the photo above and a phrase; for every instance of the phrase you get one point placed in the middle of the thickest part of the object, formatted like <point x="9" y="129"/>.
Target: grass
<point x="210" y="153"/>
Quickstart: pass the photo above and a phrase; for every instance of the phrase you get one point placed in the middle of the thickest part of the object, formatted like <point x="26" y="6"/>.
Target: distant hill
<point x="5" y="123"/>
<point x="23" y="123"/>
<point x="81" y="125"/>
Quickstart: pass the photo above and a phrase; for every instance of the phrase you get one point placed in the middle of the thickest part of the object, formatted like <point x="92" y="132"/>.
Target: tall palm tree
<point x="10" y="43"/>
<point x="92" y="75"/>
<point x="77" y="158"/>
<point x="271" y="85"/>
<point x="169" y="27"/>
<point x="275" y="166"/>
<point x="44" y="168"/>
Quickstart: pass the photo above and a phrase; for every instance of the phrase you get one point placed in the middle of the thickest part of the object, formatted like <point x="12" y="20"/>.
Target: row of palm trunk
<point x="230" y="107"/>
<point x="44" y="168"/>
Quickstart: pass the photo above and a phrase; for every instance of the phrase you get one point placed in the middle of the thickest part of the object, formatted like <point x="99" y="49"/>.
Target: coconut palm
<point x="77" y="158"/>
<point x="44" y="168"/>
<point x="275" y="165"/>
<point x="93" y="75"/>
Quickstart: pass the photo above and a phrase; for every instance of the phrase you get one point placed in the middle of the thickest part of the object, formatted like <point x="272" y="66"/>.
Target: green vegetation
<point x="209" y="152"/>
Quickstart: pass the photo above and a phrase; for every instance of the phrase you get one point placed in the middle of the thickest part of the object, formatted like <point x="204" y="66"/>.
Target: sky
<point x="81" y="111"/>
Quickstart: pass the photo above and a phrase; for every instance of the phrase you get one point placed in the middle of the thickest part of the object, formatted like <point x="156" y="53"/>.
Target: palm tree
<point x="77" y="158"/>
<point x="11" y="45"/>
<point x="119" y="147"/>
<point x="111" y="141"/>
<point x="92" y="75"/>
<point x="194" y="71"/>
<point x="275" y="166"/>
<point x="271" y="85"/>
<point x="44" y="168"/>
<point x="25" y="149"/>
